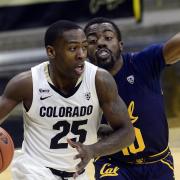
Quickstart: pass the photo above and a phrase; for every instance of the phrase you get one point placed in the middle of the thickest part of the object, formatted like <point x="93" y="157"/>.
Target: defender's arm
<point x="171" y="50"/>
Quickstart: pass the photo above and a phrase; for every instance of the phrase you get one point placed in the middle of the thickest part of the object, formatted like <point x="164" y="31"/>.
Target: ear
<point x="121" y="45"/>
<point x="50" y="52"/>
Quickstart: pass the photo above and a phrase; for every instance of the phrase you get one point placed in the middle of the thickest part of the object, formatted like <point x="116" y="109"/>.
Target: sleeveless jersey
<point x="54" y="117"/>
<point x="139" y="86"/>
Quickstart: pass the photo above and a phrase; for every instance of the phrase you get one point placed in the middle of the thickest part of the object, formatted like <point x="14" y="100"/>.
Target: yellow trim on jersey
<point x="96" y="158"/>
<point x="160" y="152"/>
<point x="168" y="164"/>
<point x="137" y="10"/>
<point x="46" y="71"/>
<point x="140" y="161"/>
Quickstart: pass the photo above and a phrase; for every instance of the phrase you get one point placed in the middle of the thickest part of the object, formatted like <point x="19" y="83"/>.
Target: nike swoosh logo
<point x="43" y="98"/>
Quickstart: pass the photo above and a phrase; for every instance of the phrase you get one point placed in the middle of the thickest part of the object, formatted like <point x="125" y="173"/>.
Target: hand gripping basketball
<point x="6" y="149"/>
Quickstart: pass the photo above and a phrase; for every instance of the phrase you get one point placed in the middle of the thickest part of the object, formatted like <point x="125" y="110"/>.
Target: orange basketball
<point x="6" y="149"/>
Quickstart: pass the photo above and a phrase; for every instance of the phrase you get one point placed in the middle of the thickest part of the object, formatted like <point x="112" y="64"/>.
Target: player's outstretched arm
<point x="13" y="94"/>
<point x="171" y="50"/>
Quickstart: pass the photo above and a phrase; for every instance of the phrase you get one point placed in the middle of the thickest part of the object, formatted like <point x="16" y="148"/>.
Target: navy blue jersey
<point x="139" y="86"/>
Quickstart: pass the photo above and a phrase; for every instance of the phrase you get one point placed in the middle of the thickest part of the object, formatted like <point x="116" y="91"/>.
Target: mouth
<point x="103" y="54"/>
<point x="104" y="58"/>
<point x="79" y="69"/>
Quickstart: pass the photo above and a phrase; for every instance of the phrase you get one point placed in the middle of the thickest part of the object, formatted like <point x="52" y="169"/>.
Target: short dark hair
<point x="99" y="20"/>
<point x="57" y="29"/>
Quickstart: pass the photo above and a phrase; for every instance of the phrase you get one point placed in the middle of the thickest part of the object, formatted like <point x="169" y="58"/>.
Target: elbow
<point x="131" y="135"/>
<point x="125" y="139"/>
<point x="127" y="136"/>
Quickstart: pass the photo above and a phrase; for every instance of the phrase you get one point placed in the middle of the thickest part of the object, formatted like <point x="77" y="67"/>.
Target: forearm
<point x="171" y="50"/>
<point x="104" y="130"/>
<point x="114" y="142"/>
<point x="3" y="119"/>
<point x="6" y="107"/>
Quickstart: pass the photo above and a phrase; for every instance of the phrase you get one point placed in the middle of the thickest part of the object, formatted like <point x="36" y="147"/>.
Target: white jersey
<point x="54" y="117"/>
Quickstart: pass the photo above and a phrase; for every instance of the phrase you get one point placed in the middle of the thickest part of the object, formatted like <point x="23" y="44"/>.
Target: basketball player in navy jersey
<point x="62" y="102"/>
<point x="138" y="79"/>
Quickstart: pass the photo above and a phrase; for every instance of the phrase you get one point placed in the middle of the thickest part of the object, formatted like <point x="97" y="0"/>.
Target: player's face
<point x="103" y="45"/>
<point x="70" y="52"/>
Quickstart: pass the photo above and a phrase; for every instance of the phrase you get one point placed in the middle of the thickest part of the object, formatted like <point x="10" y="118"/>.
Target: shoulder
<point x="21" y="79"/>
<point x="103" y="76"/>
<point x="18" y="87"/>
<point x="90" y="65"/>
<point x="151" y="56"/>
<point x="154" y="50"/>
<point x="105" y="83"/>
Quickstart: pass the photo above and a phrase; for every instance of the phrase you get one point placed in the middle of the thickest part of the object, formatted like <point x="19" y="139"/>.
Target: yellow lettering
<point x="130" y="111"/>
<point x="107" y="171"/>
<point x="141" y="146"/>
<point x="140" y="142"/>
<point x="125" y="151"/>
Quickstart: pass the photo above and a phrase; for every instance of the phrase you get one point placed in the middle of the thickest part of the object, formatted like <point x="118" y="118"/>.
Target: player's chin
<point x="77" y="73"/>
<point x="105" y="63"/>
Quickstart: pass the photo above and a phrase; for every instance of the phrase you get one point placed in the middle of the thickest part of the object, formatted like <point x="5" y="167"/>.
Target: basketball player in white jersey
<point x="63" y="100"/>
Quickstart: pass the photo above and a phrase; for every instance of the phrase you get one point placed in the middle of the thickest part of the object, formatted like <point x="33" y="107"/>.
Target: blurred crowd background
<point x="142" y="22"/>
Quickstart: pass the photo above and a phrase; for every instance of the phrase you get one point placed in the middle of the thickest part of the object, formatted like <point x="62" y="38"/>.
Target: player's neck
<point x="117" y="66"/>
<point x="63" y="83"/>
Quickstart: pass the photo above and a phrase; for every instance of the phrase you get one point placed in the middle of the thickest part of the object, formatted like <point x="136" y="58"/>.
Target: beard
<point x="105" y="59"/>
<point x="108" y="64"/>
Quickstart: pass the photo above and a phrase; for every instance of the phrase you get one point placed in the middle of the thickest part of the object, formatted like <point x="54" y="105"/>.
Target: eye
<point x="85" y="48"/>
<point x="92" y="40"/>
<point x="72" y="49"/>
<point x="108" y="38"/>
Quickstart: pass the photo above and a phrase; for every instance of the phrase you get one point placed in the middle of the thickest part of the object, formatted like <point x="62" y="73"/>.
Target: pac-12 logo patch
<point x="130" y="79"/>
<point x="88" y="95"/>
